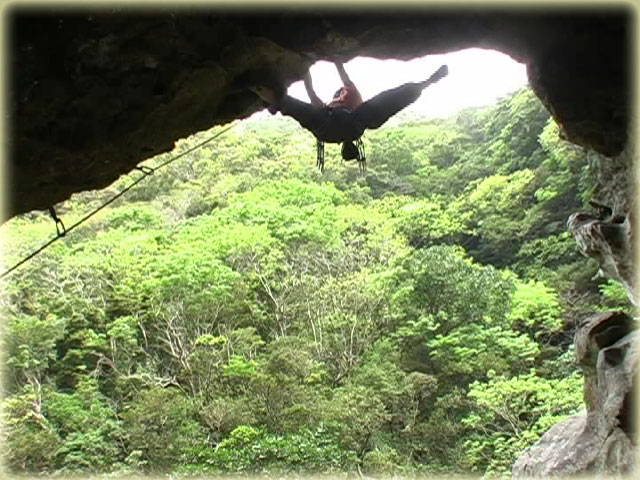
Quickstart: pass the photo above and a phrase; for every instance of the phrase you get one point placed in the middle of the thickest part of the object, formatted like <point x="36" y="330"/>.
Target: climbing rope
<point x="146" y="171"/>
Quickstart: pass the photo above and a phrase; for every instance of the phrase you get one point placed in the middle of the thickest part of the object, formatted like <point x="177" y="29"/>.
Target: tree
<point x="511" y="414"/>
<point x="31" y="349"/>
<point x="162" y="426"/>
<point x="90" y="430"/>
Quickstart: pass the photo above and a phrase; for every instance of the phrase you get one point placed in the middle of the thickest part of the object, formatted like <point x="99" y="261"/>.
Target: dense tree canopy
<point x="239" y="311"/>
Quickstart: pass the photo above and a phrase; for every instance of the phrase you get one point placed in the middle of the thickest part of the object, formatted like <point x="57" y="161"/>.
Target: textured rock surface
<point x="91" y="94"/>
<point x="602" y="440"/>
<point x="609" y="238"/>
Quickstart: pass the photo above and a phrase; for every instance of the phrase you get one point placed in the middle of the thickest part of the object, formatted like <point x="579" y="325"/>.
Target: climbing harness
<point x="146" y="171"/>
<point x="351" y="150"/>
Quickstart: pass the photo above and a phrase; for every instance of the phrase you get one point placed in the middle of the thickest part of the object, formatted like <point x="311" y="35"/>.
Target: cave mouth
<point x="134" y="82"/>
<point x="477" y="77"/>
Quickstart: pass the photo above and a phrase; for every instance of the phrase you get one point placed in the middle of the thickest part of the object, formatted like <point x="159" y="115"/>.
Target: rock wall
<point x="602" y="440"/>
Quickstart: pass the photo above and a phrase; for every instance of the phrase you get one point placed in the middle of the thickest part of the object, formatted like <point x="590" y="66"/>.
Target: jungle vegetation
<point x="239" y="311"/>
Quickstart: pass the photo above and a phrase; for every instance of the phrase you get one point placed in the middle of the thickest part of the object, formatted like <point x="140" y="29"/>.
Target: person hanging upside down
<point x="346" y="117"/>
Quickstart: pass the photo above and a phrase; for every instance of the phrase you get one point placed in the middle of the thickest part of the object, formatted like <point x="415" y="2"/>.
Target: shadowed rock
<point x="608" y="239"/>
<point x="92" y="92"/>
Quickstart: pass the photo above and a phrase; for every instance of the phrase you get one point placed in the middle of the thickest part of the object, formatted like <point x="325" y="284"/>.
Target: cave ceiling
<point x="92" y="93"/>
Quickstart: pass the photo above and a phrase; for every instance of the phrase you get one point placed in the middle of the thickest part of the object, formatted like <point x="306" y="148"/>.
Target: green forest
<point x="241" y="311"/>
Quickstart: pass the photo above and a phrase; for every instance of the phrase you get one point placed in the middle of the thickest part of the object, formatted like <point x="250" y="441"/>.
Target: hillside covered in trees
<point x="239" y="311"/>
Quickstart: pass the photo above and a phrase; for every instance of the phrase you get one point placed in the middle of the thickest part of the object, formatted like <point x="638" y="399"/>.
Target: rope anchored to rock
<point x="61" y="231"/>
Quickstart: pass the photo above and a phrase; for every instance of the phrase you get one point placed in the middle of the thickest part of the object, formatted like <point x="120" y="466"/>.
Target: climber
<point x="345" y="118"/>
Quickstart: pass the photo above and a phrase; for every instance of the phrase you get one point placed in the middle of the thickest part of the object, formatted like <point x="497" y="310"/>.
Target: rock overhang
<point x="93" y="92"/>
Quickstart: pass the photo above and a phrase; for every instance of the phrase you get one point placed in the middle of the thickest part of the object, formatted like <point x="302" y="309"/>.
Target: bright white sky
<point x="476" y="77"/>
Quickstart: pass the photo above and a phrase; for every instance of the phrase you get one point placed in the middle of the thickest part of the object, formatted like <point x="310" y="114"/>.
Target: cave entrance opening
<point x="477" y="77"/>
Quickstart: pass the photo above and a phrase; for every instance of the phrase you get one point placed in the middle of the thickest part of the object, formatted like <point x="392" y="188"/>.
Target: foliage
<point x="240" y="312"/>
<point x="249" y="449"/>
<point x="512" y="413"/>
<point x="614" y="296"/>
<point x="162" y="425"/>
<point x="536" y="309"/>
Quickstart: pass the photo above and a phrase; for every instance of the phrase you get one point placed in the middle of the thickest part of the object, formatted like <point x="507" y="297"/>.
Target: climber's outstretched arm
<point x="308" y="85"/>
<point x="343" y="74"/>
